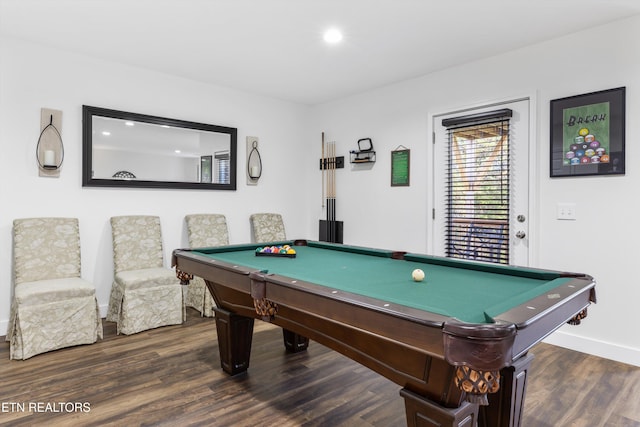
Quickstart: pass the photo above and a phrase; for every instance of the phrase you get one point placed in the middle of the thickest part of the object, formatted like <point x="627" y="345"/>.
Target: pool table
<point x="457" y="342"/>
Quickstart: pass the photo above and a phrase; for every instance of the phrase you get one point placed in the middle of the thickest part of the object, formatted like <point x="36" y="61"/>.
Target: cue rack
<point x="330" y="228"/>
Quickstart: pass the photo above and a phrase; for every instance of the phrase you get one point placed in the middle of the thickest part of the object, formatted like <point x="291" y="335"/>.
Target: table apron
<point x="365" y="336"/>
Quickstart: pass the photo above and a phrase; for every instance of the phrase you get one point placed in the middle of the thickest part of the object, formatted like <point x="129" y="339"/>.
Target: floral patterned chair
<point x="204" y="230"/>
<point x="267" y="227"/>
<point x="52" y="306"/>
<point x="144" y="294"/>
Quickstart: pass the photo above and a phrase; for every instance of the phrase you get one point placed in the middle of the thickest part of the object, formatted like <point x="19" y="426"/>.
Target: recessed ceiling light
<point x="106" y="133"/>
<point x="177" y="151"/>
<point x="129" y="123"/>
<point x="332" y="36"/>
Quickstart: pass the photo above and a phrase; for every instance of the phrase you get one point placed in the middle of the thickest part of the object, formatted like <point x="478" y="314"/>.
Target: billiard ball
<point x="418" y="275"/>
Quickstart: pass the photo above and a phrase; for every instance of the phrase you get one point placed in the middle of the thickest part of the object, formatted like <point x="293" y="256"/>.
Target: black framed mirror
<point x="122" y="149"/>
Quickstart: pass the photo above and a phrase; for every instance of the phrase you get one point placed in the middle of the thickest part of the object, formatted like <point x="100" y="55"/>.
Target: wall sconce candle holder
<point x="50" y="149"/>
<point x="254" y="161"/>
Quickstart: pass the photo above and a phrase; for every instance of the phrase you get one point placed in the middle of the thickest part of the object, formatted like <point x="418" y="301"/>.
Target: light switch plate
<point x="566" y="211"/>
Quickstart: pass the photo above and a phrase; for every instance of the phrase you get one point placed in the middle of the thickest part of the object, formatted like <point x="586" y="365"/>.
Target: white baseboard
<point x="597" y="348"/>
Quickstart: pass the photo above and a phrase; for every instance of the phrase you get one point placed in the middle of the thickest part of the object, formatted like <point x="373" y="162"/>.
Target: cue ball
<point x="418" y="275"/>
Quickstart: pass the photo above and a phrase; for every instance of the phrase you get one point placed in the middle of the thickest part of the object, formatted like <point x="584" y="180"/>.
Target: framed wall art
<point x="400" y="163"/>
<point x="587" y="134"/>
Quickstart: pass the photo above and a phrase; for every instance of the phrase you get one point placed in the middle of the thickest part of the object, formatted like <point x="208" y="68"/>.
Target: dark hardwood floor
<point x="171" y="376"/>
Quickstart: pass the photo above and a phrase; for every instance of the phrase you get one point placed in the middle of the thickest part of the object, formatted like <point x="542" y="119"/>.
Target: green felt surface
<point x="466" y="291"/>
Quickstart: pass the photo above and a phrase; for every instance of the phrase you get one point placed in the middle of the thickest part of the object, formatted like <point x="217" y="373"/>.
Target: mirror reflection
<point x="133" y="150"/>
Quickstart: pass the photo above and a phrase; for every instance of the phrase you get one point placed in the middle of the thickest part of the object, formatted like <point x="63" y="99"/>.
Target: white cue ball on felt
<point x="418" y="275"/>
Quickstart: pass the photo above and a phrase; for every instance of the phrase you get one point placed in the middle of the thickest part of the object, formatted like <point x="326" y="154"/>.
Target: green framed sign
<point x="587" y="134"/>
<point x="400" y="170"/>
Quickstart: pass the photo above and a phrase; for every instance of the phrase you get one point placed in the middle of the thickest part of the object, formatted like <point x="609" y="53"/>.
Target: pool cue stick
<point x="333" y="191"/>
<point x="335" y="222"/>
<point x="328" y="177"/>
<point x="329" y="200"/>
<point x="333" y="195"/>
<point x="335" y="167"/>
<point x="322" y="166"/>
<point x="328" y="196"/>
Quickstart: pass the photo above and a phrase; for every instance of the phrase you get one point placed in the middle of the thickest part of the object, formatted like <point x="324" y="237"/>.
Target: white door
<point x="517" y="232"/>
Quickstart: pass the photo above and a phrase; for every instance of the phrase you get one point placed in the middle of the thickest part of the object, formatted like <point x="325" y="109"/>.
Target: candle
<point x="255" y="171"/>
<point x="49" y="158"/>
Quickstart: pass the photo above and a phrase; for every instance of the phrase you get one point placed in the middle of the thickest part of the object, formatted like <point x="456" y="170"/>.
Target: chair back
<point x="207" y="230"/>
<point x="46" y="248"/>
<point x="137" y="242"/>
<point x="267" y="227"/>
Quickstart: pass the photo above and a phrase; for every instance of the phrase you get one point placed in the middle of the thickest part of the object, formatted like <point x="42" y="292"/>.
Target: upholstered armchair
<point x="267" y="227"/>
<point x="144" y="294"/>
<point x="52" y="306"/>
<point x="204" y="230"/>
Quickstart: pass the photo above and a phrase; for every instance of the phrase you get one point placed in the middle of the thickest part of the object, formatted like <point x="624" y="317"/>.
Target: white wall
<point x="602" y="241"/>
<point x="33" y="77"/>
<point x="375" y="214"/>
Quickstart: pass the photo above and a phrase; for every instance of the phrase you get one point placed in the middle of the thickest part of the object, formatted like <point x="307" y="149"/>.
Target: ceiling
<point x="275" y="47"/>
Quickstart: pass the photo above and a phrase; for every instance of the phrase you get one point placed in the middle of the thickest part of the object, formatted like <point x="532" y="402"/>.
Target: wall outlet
<point x="566" y="211"/>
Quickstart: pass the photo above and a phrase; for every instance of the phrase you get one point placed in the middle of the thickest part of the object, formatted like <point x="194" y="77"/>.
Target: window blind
<point x="477" y="187"/>
<point x="223" y="166"/>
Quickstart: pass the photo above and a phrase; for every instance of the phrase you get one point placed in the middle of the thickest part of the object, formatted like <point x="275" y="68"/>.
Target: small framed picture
<point x="587" y="134"/>
<point x="400" y="168"/>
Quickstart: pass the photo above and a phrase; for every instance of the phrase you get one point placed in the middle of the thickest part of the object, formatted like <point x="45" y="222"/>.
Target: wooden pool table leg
<point x="504" y="410"/>
<point x="422" y="412"/>
<point x="235" y="333"/>
<point x="294" y="342"/>
<point x="507" y="405"/>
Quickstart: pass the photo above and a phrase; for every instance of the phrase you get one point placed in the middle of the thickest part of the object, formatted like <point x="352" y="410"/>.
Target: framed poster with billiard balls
<point x="587" y="134"/>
